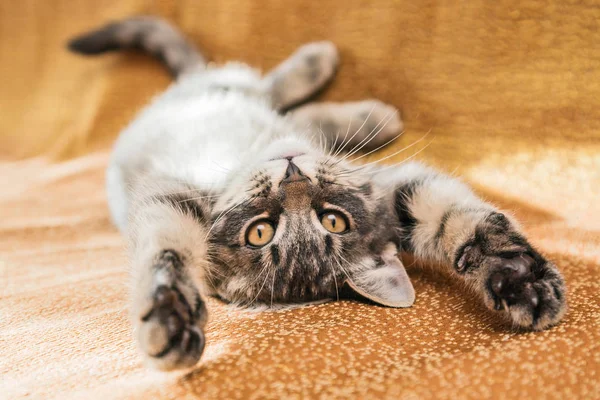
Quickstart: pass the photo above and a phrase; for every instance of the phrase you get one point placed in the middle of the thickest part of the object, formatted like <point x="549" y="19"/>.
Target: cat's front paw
<point x="513" y="277"/>
<point x="167" y="333"/>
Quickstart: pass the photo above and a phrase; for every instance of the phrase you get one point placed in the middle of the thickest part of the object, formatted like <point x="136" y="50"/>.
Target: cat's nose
<point x="293" y="174"/>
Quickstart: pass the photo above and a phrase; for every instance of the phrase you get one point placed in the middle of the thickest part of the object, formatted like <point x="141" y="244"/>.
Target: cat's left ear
<point x="387" y="283"/>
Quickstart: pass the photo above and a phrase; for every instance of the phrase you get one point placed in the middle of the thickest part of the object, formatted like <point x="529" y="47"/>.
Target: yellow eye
<point x="260" y="233"/>
<point x="334" y="222"/>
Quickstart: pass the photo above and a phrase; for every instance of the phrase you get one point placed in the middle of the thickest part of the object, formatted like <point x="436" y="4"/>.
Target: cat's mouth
<point x="288" y="155"/>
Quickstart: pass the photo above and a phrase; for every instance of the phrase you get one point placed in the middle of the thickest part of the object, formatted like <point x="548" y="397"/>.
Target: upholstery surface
<point x="510" y="93"/>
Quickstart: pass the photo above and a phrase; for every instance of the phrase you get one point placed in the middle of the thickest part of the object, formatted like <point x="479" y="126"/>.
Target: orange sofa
<point x="510" y="91"/>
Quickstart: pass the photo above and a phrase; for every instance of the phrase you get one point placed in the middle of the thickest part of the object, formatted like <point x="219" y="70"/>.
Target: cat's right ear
<point x="387" y="283"/>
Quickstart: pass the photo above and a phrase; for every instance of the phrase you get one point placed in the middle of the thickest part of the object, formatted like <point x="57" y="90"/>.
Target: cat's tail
<point x="152" y="35"/>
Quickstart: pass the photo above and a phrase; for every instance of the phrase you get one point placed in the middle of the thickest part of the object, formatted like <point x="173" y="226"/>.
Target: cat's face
<point x="294" y="229"/>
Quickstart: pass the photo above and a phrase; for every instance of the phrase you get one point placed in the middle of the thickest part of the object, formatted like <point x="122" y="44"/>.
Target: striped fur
<point x="151" y="35"/>
<point x="213" y="155"/>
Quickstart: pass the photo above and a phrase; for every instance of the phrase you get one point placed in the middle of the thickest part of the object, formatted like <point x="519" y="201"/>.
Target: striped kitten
<point x="221" y="194"/>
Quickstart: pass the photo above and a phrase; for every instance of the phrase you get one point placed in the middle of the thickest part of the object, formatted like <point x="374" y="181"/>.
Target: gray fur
<point x="310" y="263"/>
<point x="303" y="74"/>
<point x="189" y="239"/>
<point x="151" y="35"/>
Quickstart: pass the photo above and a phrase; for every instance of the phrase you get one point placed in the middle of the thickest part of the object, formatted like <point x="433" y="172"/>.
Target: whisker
<point x="405" y="160"/>
<point x="263" y="284"/>
<point x="325" y="140"/>
<point x="210" y="280"/>
<point x="223" y="214"/>
<point x="380" y="147"/>
<point x="186" y="191"/>
<point x="393" y="185"/>
<point x="340" y="265"/>
<point x="338" y="184"/>
<point x="396" y="152"/>
<point x="333" y="272"/>
<point x="332" y="148"/>
<point x="209" y="266"/>
<point x="337" y="135"/>
<point x="320" y="140"/>
<point x="361" y="126"/>
<point x="367" y="166"/>
<point x="372" y="135"/>
<point x="343" y="143"/>
<point x="198" y="198"/>
<point x="273" y="286"/>
<point x="220" y="166"/>
<point x="209" y="273"/>
<point x="324" y="136"/>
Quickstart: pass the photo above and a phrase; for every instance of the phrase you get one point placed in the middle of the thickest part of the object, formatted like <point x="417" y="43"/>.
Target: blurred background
<point x="526" y="71"/>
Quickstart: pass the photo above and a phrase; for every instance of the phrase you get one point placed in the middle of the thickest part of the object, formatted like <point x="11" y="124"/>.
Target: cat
<point x="230" y="184"/>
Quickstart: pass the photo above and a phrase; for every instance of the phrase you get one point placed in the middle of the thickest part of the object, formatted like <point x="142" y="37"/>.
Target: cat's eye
<point x="334" y="221"/>
<point x="260" y="233"/>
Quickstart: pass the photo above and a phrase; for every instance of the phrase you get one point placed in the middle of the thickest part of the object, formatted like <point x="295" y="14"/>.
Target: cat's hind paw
<point x="531" y="292"/>
<point x="513" y="277"/>
<point x="303" y="74"/>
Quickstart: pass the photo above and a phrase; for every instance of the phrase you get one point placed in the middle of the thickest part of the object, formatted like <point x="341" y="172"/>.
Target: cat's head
<point x="294" y="227"/>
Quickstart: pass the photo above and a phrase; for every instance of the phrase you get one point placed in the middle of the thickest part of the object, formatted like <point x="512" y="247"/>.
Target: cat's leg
<point x="302" y="75"/>
<point x="167" y="236"/>
<point x="152" y="35"/>
<point x="443" y="222"/>
<point x="353" y="126"/>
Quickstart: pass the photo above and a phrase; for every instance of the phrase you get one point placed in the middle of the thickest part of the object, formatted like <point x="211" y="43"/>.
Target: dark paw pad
<point x="511" y="282"/>
<point x="168" y="333"/>
<point x="529" y="290"/>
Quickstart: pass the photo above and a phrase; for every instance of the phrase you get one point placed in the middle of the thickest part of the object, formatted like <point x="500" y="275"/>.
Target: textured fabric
<point x="510" y="92"/>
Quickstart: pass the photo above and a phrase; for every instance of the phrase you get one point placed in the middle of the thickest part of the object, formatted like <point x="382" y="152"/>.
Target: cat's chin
<point x="285" y="148"/>
<point x="287" y="155"/>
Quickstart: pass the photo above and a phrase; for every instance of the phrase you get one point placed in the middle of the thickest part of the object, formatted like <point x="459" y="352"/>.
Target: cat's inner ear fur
<point x="386" y="283"/>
